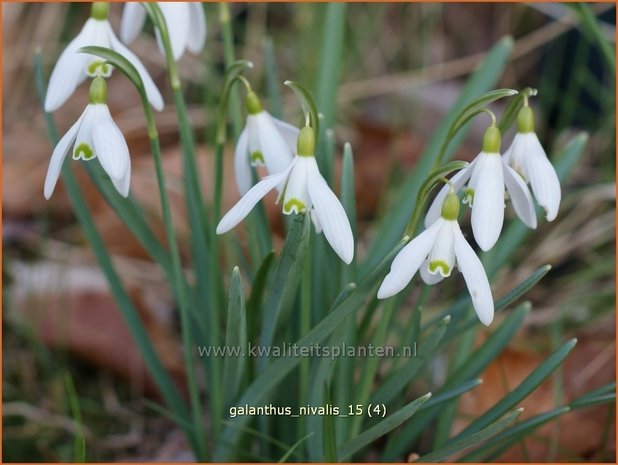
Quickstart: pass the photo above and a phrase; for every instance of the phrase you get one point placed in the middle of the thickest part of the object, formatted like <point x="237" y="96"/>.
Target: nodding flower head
<point x="484" y="183"/>
<point x="94" y="135"/>
<point x="302" y="189"/>
<point x="436" y="251"/>
<point x="263" y="141"/>
<point x="527" y="157"/>
<point x="186" y="25"/>
<point x="73" y="67"/>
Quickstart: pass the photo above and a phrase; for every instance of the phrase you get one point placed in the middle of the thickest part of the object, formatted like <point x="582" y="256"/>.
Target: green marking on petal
<point x="83" y="151"/>
<point x="294" y="206"/>
<point x="468" y="196"/>
<point x="435" y="264"/>
<point x="257" y="158"/>
<point x="99" y="68"/>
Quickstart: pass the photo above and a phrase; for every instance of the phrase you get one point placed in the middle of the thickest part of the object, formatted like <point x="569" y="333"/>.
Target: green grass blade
<point x="398" y="381"/>
<point x="329" y="434"/>
<point x="331" y="54"/>
<point x="592" y="28"/>
<point x="235" y="337"/>
<point x="287" y="277"/>
<point x="79" y="442"/>
<point x="394" y="222"/>
<point x="294" y="448"/>
<point x="272" y="78"/>
<point x="520" y="392"/>
<point x="388" y="424"/>
<point x="482" y="435"/>
<point x="254" y="303"/>
<point x="273" y="374"/>
<point x="452" y="393"/>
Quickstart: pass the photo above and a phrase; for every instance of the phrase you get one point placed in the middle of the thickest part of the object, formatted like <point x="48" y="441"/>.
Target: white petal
<point x="177" y="18"/>
<point x="242" y="166"/>
<point x="475" y="277"/>
<point x="408" y="261"/>
<point x="488" y="209"/>
<point x="70" y="68"/>
<point x="239" y="211"/>
<point x="330" y="213"/>
<point x="133" y="19"/>
<point x="154" y="96"/>
<point x="520" y="196"/>
<point x="429" y="278"/>
<point x="123" y="185"/>
<point x="277" y="153"/>
<point x="84" y="145"/>
<point x="289" y="132"/>
<point x="442" y="254"/>
<point x="197" y="28"/>
<point x="57" y="158"/>
<point x="316" y="222"/>
<point x="255" y="154"/>
<point x="110" y="145"/>
<point x="296" y="195"/>
<point x="543" y="178"/>
<point x="458" y="181"/>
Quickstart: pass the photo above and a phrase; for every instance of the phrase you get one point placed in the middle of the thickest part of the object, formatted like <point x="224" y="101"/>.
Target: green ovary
<point x="294" y="204"/>
<point x="435" y="264"/>
<point x="257" y="158"/>
<point x="83" y="151"/>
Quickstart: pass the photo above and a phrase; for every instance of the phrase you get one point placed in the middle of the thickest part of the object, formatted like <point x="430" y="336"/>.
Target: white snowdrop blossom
<point x="265" y="140"/>
<point x="302" y="189"/>
<point x="435" y="252"/>
<point x="527" y="157"/>
<point x="186" y="25"/>
<point x="487" y="177"/>
<point x="94" y="135"/>
<point x="73" y="68"/>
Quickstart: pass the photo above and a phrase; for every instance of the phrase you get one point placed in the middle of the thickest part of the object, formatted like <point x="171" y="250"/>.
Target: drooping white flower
<point x="527" y="157"/>
<point x="73" y="68"/>
<point x="302" y="190"/>
<point x="186" y="25"/>
<point x="435" y="252"/>
<point x="487" y="177"/>
<point x="94" y="135"/>
<point x="265" y="140"/>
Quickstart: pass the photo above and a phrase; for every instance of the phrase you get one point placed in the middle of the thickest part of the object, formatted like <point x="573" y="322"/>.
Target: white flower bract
<point x="303" y="190"/>
<point x="186" y="25"/>
<point x="94" y="135"/>
<point x="435" y="252"/>
<point x="487" y="177"/>
<point x="264" y="140"/>
<point x="527" y="157"/>
<point x="72" y="67"/>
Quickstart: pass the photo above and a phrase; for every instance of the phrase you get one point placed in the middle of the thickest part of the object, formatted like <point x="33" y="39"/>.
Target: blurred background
<point x="404" y="65"/>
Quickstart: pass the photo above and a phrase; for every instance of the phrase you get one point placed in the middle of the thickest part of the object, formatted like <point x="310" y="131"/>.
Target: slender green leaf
<point x="272" y="78"/>
<point x="273" y="374"/>
<point x="452" y="393"/>
<point x="235" y="337"/>
<point x="307" y="104"/>
<point x="520" y="392"/>
<point x="294" y="448"/>
<point x="482" y="435"/>
<point x="329" y="434"/>
<point x="388" y="424"/>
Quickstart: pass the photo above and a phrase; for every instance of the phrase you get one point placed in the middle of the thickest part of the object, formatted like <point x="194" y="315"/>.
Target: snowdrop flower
<point x="263" y="141"/>
<point x="73" y="68"/>
<point x="94" y="135"/>
<point x="302" y="190"/>
<point x="487" y="177"/>
<point x="435" y="252"/>
<point x="527" y="157"/>
<point x="186" y="25"/>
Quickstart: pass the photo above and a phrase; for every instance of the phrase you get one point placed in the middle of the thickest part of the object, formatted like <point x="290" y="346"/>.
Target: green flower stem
<point x="209" y="282"/>
<point x="228" y="52"/>
<point x="138" y="332"/>
<point x="183" y="300"/>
